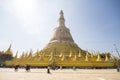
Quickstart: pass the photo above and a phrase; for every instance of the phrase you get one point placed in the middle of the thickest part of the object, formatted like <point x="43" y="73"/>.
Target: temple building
<point x="63" y="51"/>
<point x="6" y="55"/>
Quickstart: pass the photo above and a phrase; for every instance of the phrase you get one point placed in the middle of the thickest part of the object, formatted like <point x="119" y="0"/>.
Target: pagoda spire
<point x="16" y="56"/>
<point x="8" y="51"/>
<point x="9" y="47"/>
<point x="61" y="19"/>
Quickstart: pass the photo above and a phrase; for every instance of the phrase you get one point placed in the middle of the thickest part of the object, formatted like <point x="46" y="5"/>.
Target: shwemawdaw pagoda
<point x="64" y="52"/>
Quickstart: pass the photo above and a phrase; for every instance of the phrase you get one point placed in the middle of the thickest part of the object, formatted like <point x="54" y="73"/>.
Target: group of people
<point x="27" y="68"/>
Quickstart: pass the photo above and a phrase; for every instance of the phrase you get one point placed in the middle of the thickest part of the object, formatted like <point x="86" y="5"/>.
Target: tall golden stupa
<point x="61" y="40"/>
<point x="63" y="51"/>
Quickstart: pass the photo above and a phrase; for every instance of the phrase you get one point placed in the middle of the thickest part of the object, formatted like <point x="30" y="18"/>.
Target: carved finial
<point x="9" y="47"/>
<point x="61" y="12"/>
<point x="61" y="19"/>
<point x="8" y="51"/>
<point x="98" y="57"/>
<point x="16" y="56"/>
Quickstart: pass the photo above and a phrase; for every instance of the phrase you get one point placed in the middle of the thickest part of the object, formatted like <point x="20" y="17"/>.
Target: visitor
<point x="74" y="68"/>
<point x="27" y="67"/>
<point x="16" y="67"/>
<point x="60" y="67"/>
<point x="48" y="69"/>
<point x="118" y="68"/>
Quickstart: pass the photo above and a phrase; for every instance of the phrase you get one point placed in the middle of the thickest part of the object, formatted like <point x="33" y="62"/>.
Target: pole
<point x="118" y="67"/>
<point x="117" y="51"/>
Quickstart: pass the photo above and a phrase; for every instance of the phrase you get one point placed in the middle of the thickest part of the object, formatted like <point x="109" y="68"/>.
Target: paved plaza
<point x="64" y="74"/>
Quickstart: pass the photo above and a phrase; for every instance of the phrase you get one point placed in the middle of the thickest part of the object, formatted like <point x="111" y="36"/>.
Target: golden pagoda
<point x="63" y="51"/>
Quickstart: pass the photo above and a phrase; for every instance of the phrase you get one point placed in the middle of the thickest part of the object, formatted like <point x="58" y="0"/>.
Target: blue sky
<point x="28" y="24"/>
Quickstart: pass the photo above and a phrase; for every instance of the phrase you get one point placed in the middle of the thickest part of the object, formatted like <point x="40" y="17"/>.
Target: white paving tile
<point x="65" y="74"/>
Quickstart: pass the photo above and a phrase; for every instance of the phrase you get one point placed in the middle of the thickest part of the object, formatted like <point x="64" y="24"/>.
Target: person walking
<point x="48" y="69"/>
<point x="16" y="67"/>
<point x="27" y="67"/>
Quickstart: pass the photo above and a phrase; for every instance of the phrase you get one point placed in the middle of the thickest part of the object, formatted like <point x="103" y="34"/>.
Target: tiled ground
<point x="64" y="74"/>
